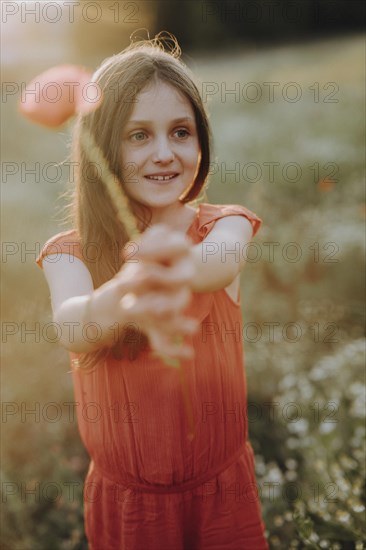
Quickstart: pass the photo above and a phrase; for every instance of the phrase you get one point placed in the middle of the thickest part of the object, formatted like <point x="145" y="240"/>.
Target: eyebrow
<point x="175" y="121"/>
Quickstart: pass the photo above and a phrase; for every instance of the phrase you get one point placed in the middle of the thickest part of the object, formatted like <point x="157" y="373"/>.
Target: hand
<point x="159" y="289"/>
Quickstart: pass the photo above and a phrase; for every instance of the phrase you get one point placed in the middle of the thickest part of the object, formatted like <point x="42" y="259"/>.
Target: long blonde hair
<point x="121" y="78"/>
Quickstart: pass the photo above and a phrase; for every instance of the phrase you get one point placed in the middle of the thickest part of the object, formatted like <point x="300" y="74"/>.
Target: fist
<point x="159" y="288"/>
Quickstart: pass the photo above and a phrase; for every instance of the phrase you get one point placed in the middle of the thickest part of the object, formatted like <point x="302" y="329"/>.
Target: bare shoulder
<point x="237" y="227"/>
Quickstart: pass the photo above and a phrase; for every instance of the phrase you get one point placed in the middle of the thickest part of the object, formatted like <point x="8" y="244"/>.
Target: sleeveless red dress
<point x="150" y="487"/>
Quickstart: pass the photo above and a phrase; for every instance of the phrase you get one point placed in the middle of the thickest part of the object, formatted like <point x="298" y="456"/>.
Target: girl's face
<point x="160" y="147"/>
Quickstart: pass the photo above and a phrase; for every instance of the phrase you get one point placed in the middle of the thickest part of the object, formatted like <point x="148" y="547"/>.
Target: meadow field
<point x="288" y="127"/>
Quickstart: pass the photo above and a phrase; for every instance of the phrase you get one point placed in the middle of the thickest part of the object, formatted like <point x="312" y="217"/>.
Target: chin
<point x="162" y="204"/>
<point x="170" y="200"/>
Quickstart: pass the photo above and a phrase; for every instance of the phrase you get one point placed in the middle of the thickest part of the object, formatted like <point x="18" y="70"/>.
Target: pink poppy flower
<point x="57" y="94"/>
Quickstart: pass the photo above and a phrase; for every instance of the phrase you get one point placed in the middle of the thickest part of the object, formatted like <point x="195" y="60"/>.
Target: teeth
<point x="160" y="178"/>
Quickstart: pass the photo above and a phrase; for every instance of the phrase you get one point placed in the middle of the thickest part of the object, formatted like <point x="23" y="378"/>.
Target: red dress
<point x="149" y="487"/>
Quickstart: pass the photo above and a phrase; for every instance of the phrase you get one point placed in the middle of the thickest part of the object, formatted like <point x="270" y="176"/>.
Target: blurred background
<point x="284" y="84"/>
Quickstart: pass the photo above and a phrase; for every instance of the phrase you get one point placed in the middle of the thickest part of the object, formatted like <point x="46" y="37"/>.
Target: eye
<point x="138" y="136"/>
<point x="182" y="130"/>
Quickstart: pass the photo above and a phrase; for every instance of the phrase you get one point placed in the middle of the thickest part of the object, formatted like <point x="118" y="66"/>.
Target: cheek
<point x="138" y="154"/>
<point x="130" y="158"/>
<point x="193" y="155"/>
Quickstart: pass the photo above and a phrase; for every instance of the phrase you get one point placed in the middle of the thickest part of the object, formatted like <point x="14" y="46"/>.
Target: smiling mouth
<point x="161" y="178"/>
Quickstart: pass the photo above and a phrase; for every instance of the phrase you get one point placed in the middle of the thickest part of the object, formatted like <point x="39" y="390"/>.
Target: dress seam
<point x="178" y="488"/>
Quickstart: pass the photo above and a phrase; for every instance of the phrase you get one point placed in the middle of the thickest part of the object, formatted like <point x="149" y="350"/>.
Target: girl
<point x="149" y="486"/>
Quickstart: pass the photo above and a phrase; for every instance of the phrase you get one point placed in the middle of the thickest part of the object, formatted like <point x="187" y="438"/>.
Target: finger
<point x="136" y="286"/>
<point x="179" y="273"/>
<point x="153" y="276"/>
<point x="165" y="246"/>
<point x="169" y="303"/>
<point x="155" y="233"/>
<point x="155" y="304"/>
<point x="182" y="271"/>
<point x="149" y="277"/>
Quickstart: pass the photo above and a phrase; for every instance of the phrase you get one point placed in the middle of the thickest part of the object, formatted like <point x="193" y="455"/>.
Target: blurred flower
<point x="327" y="427"/>
<point x="274" y="474"/>
<point x="275" y="541"/>
<point x="299" y="427"/>
<point x="290" y="475"/>
<point x="291" y="463"/>
<point x="356" y="505"/>
<point x="260" y="466"/>
<point x="292" y="443"/>
<point x="288" y="381"/>
<point x="322" y="369"/>
<point x="54" y="96"/>
<point x="278" y="521"/>
<point x="325" y="184"/>
<point x="342" y="515"/>
<point x="356" y="392"/>
<point x="347" y="462"/>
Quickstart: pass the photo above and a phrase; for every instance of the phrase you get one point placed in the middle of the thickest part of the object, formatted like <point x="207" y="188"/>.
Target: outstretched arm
<point x="147" y="293"/>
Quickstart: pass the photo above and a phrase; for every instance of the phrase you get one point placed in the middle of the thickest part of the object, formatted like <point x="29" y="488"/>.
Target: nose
<point x="163" y="152"/>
